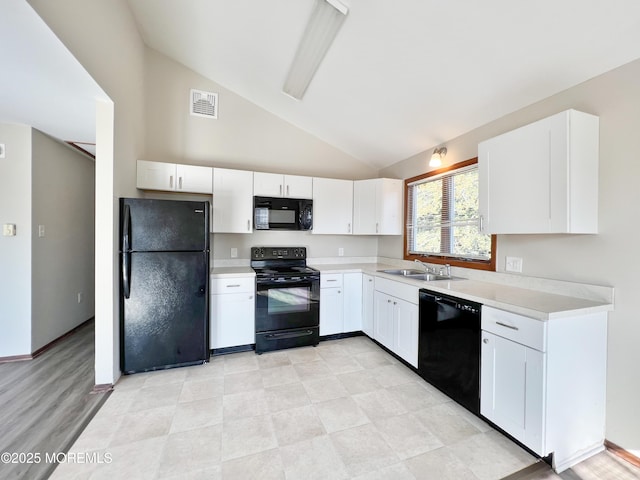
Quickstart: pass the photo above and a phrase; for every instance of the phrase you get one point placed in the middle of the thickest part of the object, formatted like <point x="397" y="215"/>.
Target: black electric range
<point x="287" y="298"/>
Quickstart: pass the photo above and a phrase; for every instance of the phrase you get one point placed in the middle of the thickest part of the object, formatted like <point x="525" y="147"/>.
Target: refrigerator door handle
<point x="126" y="253"/>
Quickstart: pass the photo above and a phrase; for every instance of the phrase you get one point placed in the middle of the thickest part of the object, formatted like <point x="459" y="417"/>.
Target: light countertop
<point x="524" y="301"/>
<point x="532" y="303"/>
<point x="232" y="272"/>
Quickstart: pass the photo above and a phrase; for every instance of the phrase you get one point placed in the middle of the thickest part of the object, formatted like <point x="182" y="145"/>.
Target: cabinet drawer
<point x="233" y="285"/>
<point x="400" y="290"/>
<point x="524" y="330"/>
<point x="330" y="280"/>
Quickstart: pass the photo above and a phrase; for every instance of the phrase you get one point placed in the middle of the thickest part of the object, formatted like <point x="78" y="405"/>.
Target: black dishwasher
<point x="449" y="347"/>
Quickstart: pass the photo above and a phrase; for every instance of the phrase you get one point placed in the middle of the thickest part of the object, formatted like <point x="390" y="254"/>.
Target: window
<point x="443" y="219"/>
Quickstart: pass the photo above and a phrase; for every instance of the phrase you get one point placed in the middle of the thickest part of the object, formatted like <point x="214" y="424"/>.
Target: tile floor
<point x="343" y="410"/>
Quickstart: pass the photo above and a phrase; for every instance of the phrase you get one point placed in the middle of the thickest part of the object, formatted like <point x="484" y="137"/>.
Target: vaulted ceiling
<point x="402" y="76"/>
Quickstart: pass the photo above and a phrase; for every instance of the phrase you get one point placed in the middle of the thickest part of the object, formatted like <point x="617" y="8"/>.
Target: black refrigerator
<point x="164" y="284"/>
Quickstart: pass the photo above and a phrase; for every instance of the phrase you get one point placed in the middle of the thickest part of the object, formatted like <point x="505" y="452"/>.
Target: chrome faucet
<point x="446" y="267"/>
<point x="424" y="265"/>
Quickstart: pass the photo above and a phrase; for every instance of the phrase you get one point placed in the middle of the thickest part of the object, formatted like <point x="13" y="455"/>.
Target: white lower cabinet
<point x="367" y="304"/>
<point x="340" y="303"/>
<point x="331" y="304"/>
<point x="395" y="318"/>
<point x="512" y="388"/>
<point x="352" y="308"/>
<point x="232" y="312"/>
<point x="544" y="382"/>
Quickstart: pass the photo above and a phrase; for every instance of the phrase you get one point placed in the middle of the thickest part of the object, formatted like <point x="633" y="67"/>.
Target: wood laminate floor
<point x="45" y="403"/>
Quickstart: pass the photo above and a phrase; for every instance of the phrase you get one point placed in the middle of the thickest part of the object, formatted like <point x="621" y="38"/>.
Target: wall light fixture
<point x="437" y="156"/>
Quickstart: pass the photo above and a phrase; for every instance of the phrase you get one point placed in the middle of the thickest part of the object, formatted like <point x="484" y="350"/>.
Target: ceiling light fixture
<point x="325" y="21"/>
<point x="438" y="155"/>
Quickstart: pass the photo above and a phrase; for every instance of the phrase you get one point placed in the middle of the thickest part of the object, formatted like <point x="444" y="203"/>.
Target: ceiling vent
<point x="203" y="104"/>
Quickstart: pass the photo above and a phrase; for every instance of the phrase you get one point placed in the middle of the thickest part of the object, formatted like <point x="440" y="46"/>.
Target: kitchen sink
<point x="404" y="273"/>
<point x="430" y="277"/>
<point x="418" y="275"/>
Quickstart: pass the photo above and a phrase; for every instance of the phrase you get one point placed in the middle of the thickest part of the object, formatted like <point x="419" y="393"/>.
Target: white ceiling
<point x="402" y="76"/>
<point x="42" y="84"/>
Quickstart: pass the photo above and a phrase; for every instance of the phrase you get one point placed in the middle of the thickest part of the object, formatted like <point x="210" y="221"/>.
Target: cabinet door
<point x="331" y="304"/>
<point x="194" y="179"/>
<point x="268" y="184"/>
<point x="514" y="181"/>
<point x="364" y="207"/>
<point x="512" y="389"/>
<point x="405" y="334"/>
<point x="383" y="319"/>
<point x="232" y="201"/>
<point x="156" y="175"/>
<point x="352" y="283"/>
<point x="389" y="206"/>
<point x="232" y="320"/>
<point x="367" y="304"/>
<point x="332" y="206"/>
<point x="296" y="186"/>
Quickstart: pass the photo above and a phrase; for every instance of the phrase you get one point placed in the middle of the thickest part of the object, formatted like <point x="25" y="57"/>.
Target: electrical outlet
<point x="234" y="253"/>
<point x="513" y="264"/>
<point x="341" y="252"/>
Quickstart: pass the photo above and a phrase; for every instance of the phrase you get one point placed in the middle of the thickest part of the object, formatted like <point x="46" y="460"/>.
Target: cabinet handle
<point x="280" y="190"/>
<point x="233" y="286"/>
<point x="348" y="228"/>
<point x="485" y="340"/>
<point x="388" y="301"/>
<point x="395" y="303"/>
<point x="338" y="291"/>
<point x="170" y="181"/>
<point x="248" y="225"/>
<point x="376" y="227"/>
<point x="508" y="326"/>
<point x="250" y="297"/>
<point x="287" y="190"/>
<point x="179" y="183"/>
<point x="332" y="280"/>
<point x="482" y="223"/>
<point x="371" y="279"/>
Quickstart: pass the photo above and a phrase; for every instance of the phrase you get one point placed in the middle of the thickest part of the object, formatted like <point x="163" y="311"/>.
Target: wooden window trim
<point x="489" y="265"/>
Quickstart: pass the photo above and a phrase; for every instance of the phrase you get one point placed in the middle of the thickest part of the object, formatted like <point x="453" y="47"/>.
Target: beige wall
<point x="62" y="260"/>
<point x="607" y="258"/>
<point x="104" y="38"/>
<point x="244" y="136"/>
<point x="15" y="252"/>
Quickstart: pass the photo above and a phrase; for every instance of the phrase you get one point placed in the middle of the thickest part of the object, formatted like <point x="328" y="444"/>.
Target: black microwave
<point x="275" y="213"/>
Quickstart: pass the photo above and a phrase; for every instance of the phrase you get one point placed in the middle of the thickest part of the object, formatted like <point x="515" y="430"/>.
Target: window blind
<point x="443" y="217"/>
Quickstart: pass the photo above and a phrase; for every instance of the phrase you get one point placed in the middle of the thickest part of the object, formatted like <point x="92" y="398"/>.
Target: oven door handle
<point x="300" y="280"/>
<point x="279" y="336"/>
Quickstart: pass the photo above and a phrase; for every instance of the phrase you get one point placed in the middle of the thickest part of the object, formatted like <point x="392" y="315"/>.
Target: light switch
<point x="41" y="230"/>
<point x="234" y="253"/>
<point x="9" y="230"/>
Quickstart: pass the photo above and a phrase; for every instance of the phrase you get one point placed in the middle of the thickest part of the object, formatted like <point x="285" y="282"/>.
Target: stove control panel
<point x="270" y="253"/>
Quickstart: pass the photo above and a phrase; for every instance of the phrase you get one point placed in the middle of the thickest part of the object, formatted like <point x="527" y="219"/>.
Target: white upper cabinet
<point x="541" y="178"/>
<point x="377" y="207"/>
<point x="277" y="185"/>
<point x="232" y="201"/>
<point x="173" y="177"/>
<point x="332" y="206"/>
